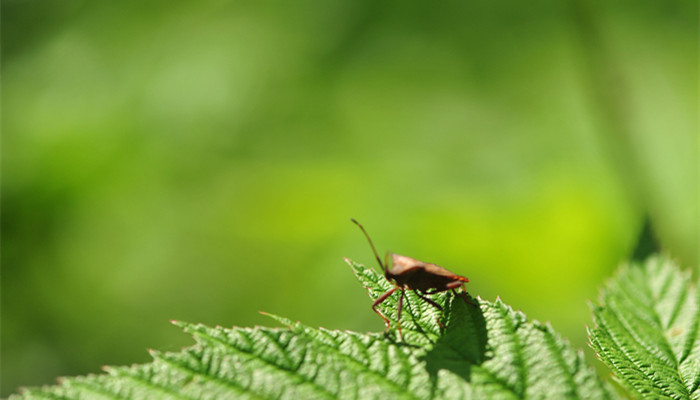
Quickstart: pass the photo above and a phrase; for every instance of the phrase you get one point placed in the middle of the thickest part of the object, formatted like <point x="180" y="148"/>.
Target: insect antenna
<point x="376" y="255"/>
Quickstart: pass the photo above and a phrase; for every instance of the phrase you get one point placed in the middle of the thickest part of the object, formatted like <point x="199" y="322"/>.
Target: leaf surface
<point x="483" y="350"/>
<point x="646" y="330"/>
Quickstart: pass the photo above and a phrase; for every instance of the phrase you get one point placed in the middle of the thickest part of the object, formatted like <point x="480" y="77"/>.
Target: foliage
<point x="647" y="330"/>
<point x="484" y="351"/>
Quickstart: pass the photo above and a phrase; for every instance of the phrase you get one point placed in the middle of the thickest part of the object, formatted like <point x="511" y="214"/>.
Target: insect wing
<point x="440" y="271"/>
<point x="402" y="264"/>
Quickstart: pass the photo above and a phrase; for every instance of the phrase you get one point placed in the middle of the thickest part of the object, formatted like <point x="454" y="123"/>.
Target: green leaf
<point x="488" y="351"/>
<point x="647" y="330"/>
<point x="484" y="351"/>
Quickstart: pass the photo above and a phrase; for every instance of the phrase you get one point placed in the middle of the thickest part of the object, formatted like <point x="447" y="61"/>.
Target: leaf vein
<point x="299" y="377"/>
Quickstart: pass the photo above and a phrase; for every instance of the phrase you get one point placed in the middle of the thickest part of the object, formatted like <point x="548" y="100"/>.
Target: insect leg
<point x="465" y="296"/>
<point x="380" y="300"/>
<point x="398" y="317"/>
<point x="433" y="303"/>
<point x="457" y="284"/>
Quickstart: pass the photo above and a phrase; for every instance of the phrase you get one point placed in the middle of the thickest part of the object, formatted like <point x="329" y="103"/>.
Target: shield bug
<point x="410" y="274"/>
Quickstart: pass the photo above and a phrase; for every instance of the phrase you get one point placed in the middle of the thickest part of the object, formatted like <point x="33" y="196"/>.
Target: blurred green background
<point x="200" y="161"/>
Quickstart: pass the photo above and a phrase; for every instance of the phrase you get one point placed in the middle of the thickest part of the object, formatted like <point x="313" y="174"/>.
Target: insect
<point x="408" y="273"/>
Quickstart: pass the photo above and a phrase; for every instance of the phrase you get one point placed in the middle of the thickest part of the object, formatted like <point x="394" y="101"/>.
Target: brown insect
<point x="408" y="273"/>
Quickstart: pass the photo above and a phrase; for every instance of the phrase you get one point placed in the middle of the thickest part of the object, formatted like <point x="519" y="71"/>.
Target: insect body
<point x="408" y="273"/>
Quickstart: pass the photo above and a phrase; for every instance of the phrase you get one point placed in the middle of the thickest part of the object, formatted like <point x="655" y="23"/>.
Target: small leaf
<point x="647" y="330"/>
<point x="484" y="351"/>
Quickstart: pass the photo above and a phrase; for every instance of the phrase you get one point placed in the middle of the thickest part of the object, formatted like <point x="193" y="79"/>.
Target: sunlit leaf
<point x="647" y="330"/>
<point x="484" y="350"/>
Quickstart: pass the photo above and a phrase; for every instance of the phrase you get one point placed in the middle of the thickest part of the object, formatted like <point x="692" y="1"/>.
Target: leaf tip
<point x="154" y="353"/>
<point x="591" y="305"/>
<point x="353" y="265"/>
<point x="282" y="320"/>
<point x="185" y="326"/>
